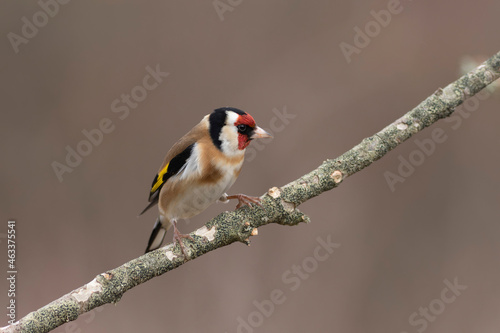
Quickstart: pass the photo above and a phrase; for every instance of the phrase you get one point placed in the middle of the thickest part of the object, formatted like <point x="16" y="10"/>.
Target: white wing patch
<point x="192" y="165"/>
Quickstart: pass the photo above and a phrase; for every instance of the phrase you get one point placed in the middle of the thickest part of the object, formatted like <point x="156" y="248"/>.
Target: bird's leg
<point x="223" y="198"/>
<point x="178" y="238"/>
<point x="245" y="200"/>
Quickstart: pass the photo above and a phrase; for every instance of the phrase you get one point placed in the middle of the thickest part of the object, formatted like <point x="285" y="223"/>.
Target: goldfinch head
<point x="232" y="130"/>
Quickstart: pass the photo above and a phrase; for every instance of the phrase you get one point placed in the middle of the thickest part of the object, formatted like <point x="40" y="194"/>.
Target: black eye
<point x="242" y="128"/>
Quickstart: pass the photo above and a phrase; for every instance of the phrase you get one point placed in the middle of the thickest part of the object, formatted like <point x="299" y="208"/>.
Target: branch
<point x="279" y="206"/>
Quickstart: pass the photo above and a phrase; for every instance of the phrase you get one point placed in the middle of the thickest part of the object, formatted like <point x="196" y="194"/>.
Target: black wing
<point x="171" y="169"/>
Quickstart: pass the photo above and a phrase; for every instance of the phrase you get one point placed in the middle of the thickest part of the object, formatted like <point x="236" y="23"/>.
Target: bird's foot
<point x="245" y="200"/>
<point x="178" y="239"/>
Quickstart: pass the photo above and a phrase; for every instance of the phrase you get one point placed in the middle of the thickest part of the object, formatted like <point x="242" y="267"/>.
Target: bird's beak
<point x="259" y="133"/>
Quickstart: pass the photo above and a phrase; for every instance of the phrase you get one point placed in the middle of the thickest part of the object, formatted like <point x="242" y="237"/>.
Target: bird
<point x="199" y="169"/>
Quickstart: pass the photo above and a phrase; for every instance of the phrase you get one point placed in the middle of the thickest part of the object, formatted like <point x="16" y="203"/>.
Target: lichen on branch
<point x="279" y="205"/>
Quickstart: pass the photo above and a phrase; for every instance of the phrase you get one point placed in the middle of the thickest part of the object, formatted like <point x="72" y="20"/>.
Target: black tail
<point x="157" y="236"/>
<point x="151" y="204"/>
<point x="153" y="200"/>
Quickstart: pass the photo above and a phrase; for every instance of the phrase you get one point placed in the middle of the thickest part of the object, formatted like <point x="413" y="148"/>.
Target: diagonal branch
<point x="279" y="206"/>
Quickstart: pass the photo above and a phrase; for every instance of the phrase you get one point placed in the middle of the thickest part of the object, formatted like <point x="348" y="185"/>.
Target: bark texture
<point x="279" y="206"/>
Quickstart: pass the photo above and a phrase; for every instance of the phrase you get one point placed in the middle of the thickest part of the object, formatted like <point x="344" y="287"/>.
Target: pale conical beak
<point x="259" y="133"/>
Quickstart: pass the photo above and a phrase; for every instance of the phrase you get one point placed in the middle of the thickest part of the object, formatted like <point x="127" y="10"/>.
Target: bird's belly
<point x="194" y="200"/>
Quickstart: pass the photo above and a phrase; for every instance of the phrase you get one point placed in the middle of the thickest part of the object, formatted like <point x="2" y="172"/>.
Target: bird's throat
<point x="243" y="141"/>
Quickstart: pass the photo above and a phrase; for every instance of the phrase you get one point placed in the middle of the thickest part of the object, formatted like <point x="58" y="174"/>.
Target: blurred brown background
<point x="397" y="247"/>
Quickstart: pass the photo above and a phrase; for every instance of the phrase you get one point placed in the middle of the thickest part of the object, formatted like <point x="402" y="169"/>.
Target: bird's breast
<point x="189" y="196"/>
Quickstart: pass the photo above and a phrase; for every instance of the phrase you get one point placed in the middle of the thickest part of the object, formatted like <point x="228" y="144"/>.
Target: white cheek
<point x="229" y="138"/>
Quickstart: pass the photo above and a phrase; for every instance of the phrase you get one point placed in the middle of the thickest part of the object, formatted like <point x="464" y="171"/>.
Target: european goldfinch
<point x="199" y="169"/>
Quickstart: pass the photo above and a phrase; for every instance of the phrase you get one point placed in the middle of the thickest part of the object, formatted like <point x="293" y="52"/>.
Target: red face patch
<point x="245" y="119"/>
<point x="244" y="140"/>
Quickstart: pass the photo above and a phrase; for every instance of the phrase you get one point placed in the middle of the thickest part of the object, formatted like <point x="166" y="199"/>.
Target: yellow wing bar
<point x="159" y="178"/>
